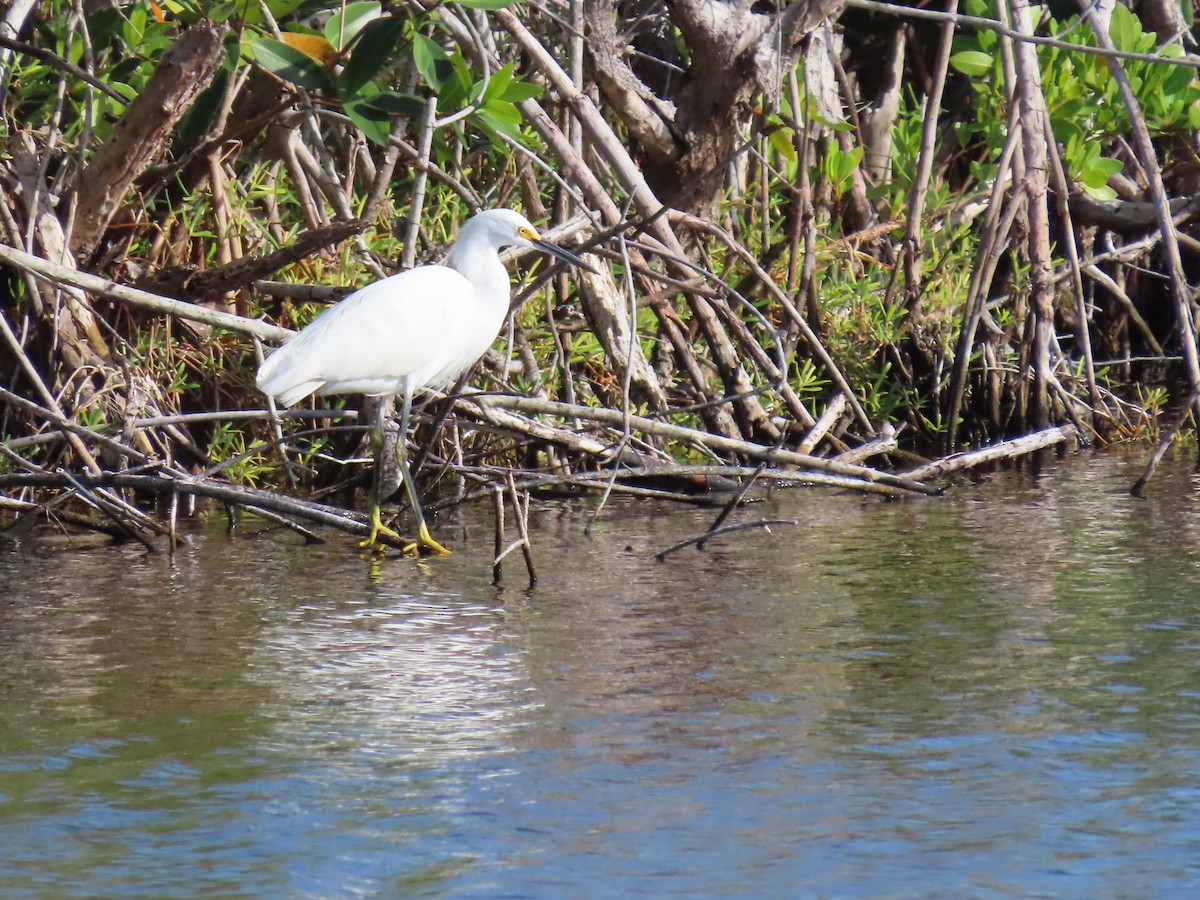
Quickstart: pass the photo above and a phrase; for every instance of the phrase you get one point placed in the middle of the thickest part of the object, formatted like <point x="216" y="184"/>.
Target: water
<point x="992" y="693"/>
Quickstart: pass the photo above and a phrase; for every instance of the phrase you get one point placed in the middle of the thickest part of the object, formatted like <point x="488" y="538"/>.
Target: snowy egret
<point x="413" y="330"/>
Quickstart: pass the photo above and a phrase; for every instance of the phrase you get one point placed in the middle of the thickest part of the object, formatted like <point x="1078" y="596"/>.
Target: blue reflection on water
<point x="969" y="697"/>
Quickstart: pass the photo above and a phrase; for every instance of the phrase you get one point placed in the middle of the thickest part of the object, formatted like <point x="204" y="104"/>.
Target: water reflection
<point x="996" y="691"/>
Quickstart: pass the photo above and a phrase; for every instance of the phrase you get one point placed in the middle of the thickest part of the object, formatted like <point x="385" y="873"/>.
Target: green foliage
<point x="383" y="64"/>
<point x="1082" y="99"/>
<point x="290" y="64"/>
<point x="377" y="42"/>
<point x="972" y="62"/>
<point x="348" y="20"/>
<point x="369" y="46"/>
<point x="241" y="459"/>
<point x="840" y="167"/>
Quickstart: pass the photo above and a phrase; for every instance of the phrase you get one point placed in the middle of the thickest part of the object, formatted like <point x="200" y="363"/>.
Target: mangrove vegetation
<point x="836" y="242"/>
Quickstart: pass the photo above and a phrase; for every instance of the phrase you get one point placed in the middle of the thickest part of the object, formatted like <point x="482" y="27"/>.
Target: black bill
<point x="565" y="255"/>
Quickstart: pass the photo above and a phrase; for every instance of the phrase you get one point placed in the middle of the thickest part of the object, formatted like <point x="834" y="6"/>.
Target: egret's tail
<point x="277" y="379"/>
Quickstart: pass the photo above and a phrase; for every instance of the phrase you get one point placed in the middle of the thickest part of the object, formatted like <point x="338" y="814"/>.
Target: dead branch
<point x="1021" y="446"/>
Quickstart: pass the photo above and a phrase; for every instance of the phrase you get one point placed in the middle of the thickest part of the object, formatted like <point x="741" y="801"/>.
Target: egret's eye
<point x="528" y="233"/>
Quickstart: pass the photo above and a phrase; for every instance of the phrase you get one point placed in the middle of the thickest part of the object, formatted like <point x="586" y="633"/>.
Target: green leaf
<point x="848" y="163"/>
<point x="278" y="8"/>
<point x="373" y="111"/>
<point x="370" y="122"/>
<point x="1179" y="80"/>
<point x="1097" y="172"/>
<point x="431" y="61"/>
<point x="1065" y="129"/>
<point x="461" y="68"/>
<point x="453" y="93"/>
<point x="1103" y="192"/>
<point x="520" y="90"/>
<point x="344" y="24"/>
<point x="781" y="142"/>
<point x="972" y="62"/>
<point x="128" y="91"/>
<point x="396" y="103"/>
<point x="290" y="64"/>
<point x="374" y="50"/>
<point x="1124" y="28"/>
<point x="498" y="82"/>
<point x="501" y="117"/>
<point x="1194" y="115"/>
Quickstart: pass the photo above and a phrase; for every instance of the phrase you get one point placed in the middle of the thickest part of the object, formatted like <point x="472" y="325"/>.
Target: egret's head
<point x="508" y="228"/>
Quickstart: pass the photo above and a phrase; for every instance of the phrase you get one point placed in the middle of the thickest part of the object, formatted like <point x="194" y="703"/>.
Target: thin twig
<point x="700" y="540"/>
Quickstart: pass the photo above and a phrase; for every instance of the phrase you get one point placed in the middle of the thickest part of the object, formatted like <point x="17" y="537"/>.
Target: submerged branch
<point x="1022" y="446"/>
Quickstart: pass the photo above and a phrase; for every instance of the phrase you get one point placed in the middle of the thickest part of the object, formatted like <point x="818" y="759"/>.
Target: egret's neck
<point x="479" y="263"/>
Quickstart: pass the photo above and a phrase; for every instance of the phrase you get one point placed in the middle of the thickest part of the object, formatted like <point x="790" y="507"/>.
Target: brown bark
<point x="141" y="134"/>
<point x="688" y="127"/>
<point x="1041" y="275"/>
<point x="190" y="283"/>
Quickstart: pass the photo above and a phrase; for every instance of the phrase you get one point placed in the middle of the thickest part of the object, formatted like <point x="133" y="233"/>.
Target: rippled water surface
<point x="992" y="693"/>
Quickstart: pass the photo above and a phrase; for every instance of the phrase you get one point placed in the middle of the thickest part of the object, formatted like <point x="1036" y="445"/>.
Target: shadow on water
<point x="994" y="692"/>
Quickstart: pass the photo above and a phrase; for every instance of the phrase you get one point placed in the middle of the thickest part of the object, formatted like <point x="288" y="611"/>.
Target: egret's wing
<point x="402" y="327"/>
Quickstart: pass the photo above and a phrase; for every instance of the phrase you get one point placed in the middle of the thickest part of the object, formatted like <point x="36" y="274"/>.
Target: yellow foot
<point x="378" y="530"/>
<point x="426" y="542"/>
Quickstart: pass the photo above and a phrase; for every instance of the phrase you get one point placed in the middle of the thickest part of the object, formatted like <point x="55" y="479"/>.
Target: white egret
<point x="413" y="330"/>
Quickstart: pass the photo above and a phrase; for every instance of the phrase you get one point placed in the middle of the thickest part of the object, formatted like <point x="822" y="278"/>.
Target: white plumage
<point x="414" y="330"/>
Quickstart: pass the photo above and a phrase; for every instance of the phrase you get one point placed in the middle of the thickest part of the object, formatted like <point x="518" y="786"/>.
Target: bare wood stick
<point x="26" y="508"/>
<point x="495" y="414"/>
<point x="999" y="222"/>
<point x="794" y="315"/>
<point x="522" y="512"/>
<point x="181" y="281"/>
<point x="702" y="473"/>
<point x="57" y="62"/>
<point x="56" y="418"/>
<point x="235" y="495"/>
<point x="243" y="415"/>
<point x="310" y="537"/>
<point x="55" y="411"/>
<point x="418" y="189"/>
<point x="829" y="418"/>
<point x="1109" y="283"/>
<point x="610" y="147"/>
<point x="1034" y="128"/>
<point x="986" y="24"/>
<point x="911" y="247"/>
<point x="700" y="540"/>
<point x="1004" y="450"/>
<point x="103" y="287"/>
<point x="498" y="556"/>
<point x="713" y="441"/>
<point x="97" y="502"/>
<point x="135" y="515"/>
<point x="1164" y="443"/>
<point x="1062" y="193"/>
<point x="884" y="442"/>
